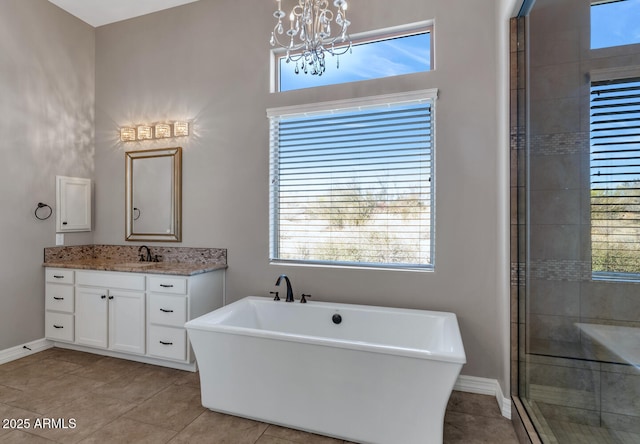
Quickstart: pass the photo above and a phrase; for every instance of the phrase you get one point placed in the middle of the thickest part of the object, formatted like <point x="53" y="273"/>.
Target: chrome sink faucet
<point x="148" y="258"/>
<point x="289" y="290"/>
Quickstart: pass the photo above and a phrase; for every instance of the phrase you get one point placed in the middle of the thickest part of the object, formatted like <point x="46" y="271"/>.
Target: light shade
<point x="180" y="129"/>
<point x="163" y="131"/>
<point x="127" y="134"/>
<point x="145" y="133"/>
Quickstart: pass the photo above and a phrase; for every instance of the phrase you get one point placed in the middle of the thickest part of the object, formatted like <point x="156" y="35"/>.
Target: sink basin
<point x="136" y="264"/>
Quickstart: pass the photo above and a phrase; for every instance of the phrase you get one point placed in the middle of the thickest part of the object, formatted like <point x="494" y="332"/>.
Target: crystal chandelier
<point x="310" y="33"/>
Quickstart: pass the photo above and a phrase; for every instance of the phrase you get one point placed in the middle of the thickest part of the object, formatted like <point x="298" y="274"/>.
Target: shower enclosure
<point x="575" y="268"/>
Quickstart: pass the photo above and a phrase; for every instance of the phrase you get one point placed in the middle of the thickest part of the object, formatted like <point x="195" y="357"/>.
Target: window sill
<point x="347" y="266"/>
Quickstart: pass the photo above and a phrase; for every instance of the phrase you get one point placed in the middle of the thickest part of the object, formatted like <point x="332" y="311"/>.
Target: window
<point x="615" y="178"/>
<point x="352" y="182"/>
<point x="614" y="23"/>
<point x="392" y="54"/>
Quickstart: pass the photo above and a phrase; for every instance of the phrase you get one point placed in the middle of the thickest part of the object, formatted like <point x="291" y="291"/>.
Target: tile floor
<point x="118" y="401"/>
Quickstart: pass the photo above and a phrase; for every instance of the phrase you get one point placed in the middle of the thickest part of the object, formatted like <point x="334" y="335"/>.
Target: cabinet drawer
<point x="109" y="279"/>
<point x="59" y="275"/>
<point x="167" y="309"/>
<point x="58" y="326"/>
<point x="167" y="342"/>
<point x="161" y="284"/>
<point x="59" y="297"/>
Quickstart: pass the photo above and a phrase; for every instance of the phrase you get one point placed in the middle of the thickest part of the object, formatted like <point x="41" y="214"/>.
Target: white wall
<point x="47" y="105"/>
<point x="209" y="61"/>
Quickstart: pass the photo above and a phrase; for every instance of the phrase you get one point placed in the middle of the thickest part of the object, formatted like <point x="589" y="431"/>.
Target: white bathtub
<point x="382" y="375"/>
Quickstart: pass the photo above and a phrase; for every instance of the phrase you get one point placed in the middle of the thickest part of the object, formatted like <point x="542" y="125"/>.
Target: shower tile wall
<point x="517" y="188"/>
<point x="570" y="378"/>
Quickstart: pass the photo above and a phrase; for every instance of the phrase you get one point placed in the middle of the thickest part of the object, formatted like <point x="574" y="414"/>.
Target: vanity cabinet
<point x="168" y="304"/>
<point x="110" y="310"/>
<point x="112" y="319"/>
<point x="59" y="304"/>
<point x="137" y="316"/>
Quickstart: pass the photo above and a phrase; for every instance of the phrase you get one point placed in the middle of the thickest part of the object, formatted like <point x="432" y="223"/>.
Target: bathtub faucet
<point x="289" y="290"/>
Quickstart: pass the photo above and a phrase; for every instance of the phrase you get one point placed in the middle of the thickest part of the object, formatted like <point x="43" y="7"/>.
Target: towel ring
<point x="40" y="206"/>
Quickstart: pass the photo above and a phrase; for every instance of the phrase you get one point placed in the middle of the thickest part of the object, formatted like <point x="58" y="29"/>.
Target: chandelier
<point x="310" y="33"/>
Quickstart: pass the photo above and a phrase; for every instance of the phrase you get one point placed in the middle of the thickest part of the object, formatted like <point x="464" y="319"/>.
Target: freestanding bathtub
<point x="360" y="373"/>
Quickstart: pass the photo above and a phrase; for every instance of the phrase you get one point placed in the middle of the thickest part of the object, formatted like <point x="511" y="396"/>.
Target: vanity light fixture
<point x="180" y="129"/>
<point x="163" y="131"/>
<point x="153" y="132"/>
<point x="127" y="134"/>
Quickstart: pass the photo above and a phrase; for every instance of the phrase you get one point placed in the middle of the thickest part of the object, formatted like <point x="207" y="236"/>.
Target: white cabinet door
<point x="73" y="201"/>
<point x="127" y="321"/>
<point x="91" y="316"/>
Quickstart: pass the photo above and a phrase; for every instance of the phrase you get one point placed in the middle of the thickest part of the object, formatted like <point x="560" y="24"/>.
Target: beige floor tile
<point x="54" y="393"/>
<point x="77" y="357"/>
<point x="35" y="374"/>
<point x="30" y="359"/>
<point x="9" y="394"/>
<point x="216" y="428"/>
<point x="108" y="369"/>
<point x="90" y="413"/>
<point x="18" y="420"/>
<point x="474" y="404"/>
<point x="139" y="384"/>
<point x="191" y="379"/>
<point x="298" y="436"/>
<point x="124" y="430"/>
<point x="464" y="428"/>
<point x="268" y="439"/>
<point x="172" y="408"/>
<point x="19" y="437"/>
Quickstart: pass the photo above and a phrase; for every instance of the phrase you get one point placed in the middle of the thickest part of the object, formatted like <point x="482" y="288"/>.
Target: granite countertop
<point x="185" y="261"/>
<point x="176" y="268"/>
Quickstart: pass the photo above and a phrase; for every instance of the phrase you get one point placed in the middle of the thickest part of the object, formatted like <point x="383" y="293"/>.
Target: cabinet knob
<point x="166" y="285"/>
<point x="104" y="296"/>
<point x="166" y="311"/>
<point x="64" y="223"/>
<point x="58" y="326"/>
<point x="166" y="343"/>
<point x="57" y="276"/>
<point x="110" y="297"/>
<point x="58" y="299"/>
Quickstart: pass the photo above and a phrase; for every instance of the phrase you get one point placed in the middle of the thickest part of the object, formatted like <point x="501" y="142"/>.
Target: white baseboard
<point x="485" y="386"/>
<point x="20" y="351"/>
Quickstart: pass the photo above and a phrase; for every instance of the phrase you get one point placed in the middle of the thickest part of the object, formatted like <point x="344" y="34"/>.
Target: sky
<point x="615" y="23"/>
<point x="371" y="60"/>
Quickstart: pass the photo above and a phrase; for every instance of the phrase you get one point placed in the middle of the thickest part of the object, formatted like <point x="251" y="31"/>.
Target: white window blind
<point x="615" y="177"/>
<point x="352" y="181"/>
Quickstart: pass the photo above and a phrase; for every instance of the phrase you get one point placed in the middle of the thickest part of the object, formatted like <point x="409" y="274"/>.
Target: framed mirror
<point x="154" y="195"/>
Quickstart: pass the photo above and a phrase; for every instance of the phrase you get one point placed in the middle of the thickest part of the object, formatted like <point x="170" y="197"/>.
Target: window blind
<point x="353" y="186"/>
<point x="615" y="176"/>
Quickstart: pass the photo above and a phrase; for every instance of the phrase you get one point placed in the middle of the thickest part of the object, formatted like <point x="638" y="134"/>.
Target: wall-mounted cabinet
<point x="73" y="204"/>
